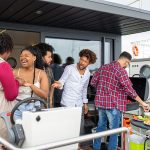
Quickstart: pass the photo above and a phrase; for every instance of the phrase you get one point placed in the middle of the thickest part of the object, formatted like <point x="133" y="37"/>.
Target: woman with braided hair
<point x="35" y="81"/>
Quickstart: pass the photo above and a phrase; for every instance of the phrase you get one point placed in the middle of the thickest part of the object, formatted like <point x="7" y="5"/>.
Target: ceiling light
<point x="39" y="12"/>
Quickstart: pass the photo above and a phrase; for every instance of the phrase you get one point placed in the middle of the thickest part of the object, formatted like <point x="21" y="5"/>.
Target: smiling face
<point x="27" y="59"/>
<point x="83" y="63"/>
<point x="48" y="58"/>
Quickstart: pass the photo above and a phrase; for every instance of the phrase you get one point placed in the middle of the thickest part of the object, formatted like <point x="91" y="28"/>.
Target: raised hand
<point x="56" y="84"/>
<point x="146" y="107"/>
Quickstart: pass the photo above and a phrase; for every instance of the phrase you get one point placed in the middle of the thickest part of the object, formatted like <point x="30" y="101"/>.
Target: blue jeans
<point x="113" y="116"/>
<point x="25" y="107"/>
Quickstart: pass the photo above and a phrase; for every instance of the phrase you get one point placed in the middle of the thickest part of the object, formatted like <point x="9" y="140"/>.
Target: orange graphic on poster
<point x="135" y="50"/>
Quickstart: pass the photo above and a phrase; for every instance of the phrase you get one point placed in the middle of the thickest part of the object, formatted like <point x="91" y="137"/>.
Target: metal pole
<point x="127" y="140"/>
<point x="71" y="141"/>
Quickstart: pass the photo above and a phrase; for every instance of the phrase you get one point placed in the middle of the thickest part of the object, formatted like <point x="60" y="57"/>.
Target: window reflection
<point x="68" y="47"/>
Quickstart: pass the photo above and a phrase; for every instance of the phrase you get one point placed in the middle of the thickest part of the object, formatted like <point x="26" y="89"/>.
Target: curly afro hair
<point x="36" y="52"/>
<point x="6" y="43"/>
<point x="44" y="47"/>
<point x="91" y="56"/>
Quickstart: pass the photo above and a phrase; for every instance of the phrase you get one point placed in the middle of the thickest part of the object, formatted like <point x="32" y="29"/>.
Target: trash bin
<point x="137" y="142"/>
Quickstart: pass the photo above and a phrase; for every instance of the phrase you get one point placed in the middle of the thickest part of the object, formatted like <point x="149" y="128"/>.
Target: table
<point x="140" y="124"/>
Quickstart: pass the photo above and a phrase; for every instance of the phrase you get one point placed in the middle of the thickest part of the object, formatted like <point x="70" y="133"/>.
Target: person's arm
<point x="138" y="99"/>
<point x="60" y="83"/>
<point x="84" y="96"/>
<point x="126" y="83"/>
<point x="51" y="97"/>
<point x="127" y="86"/>
<point x="84" y="93"/>
<point x="95" y="78"/>
<point x="44" y="86"/>
<point x="9" y="84"/>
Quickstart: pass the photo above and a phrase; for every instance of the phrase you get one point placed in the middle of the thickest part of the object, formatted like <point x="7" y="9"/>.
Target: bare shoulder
<point x="15" y="71"/>
<point x="40" y="72"/>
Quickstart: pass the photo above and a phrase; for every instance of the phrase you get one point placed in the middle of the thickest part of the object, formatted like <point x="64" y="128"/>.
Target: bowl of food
<point x="147" y="114"/>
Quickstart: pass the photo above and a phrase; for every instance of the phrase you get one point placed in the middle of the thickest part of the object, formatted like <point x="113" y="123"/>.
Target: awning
<point x="86" y="15"/>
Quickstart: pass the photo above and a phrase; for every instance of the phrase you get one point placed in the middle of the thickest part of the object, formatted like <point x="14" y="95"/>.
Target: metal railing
<point x="72" y="141"/>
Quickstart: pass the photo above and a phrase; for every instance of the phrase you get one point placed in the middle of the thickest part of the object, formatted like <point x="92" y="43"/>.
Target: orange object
<point x="126" y="123"/>
<point x="135" y="50"/>
<point x="135" y="117"/>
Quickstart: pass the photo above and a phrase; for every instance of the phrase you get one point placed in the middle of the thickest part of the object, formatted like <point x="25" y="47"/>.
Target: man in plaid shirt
<point x="112" y="88"/>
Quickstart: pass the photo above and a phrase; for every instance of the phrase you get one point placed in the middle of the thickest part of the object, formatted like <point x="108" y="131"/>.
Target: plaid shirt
<point x="112" y="87"/>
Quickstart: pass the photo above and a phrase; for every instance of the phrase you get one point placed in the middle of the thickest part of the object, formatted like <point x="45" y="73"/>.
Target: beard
<point x="81" y="67"/>
<point x="46" y="65"/>
<point x="125" y="67"/>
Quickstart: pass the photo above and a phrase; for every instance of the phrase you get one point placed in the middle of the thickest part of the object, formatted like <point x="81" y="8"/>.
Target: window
<point x="68" y="47"/>
<point x="109" y="51"/>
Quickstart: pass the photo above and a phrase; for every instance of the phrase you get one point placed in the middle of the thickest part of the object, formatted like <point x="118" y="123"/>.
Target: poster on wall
<point x="138" y="45"/>
<point x="140" y="49"/>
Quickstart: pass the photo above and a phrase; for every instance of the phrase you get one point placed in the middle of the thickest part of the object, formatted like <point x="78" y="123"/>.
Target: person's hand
<point x="24" y="82"/>
<point x="56" y="84"/>
<point x="27" y="84"/>
<point x="146" y="107"/>
<point x="85" y="107"/>
<point x="20" y="80"/>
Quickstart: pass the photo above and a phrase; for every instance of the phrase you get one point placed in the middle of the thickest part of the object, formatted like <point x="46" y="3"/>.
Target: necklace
<point x="80" y="71"/>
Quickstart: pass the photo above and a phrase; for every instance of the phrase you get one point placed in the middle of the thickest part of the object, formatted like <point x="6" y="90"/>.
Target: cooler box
<point x="51" y="125"/>
<point x="137" y="142"/>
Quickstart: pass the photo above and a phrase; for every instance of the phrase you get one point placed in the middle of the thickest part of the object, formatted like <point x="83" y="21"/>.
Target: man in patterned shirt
<point x="112" y="88"/>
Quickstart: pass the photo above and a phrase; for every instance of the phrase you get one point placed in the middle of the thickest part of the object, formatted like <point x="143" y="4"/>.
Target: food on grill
<point x="147" y="121"/>
<point x="139" y="118"/>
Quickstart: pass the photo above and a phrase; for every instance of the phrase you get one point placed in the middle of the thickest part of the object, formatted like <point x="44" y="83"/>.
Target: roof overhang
<point x="88" y="15"/>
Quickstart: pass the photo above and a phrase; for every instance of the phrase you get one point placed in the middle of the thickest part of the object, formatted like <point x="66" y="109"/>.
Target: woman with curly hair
<point x="47" y="54"/>
<point x="74" y="81"/>
<point x="34" y="77"/>
<point x="8" y="85"/>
